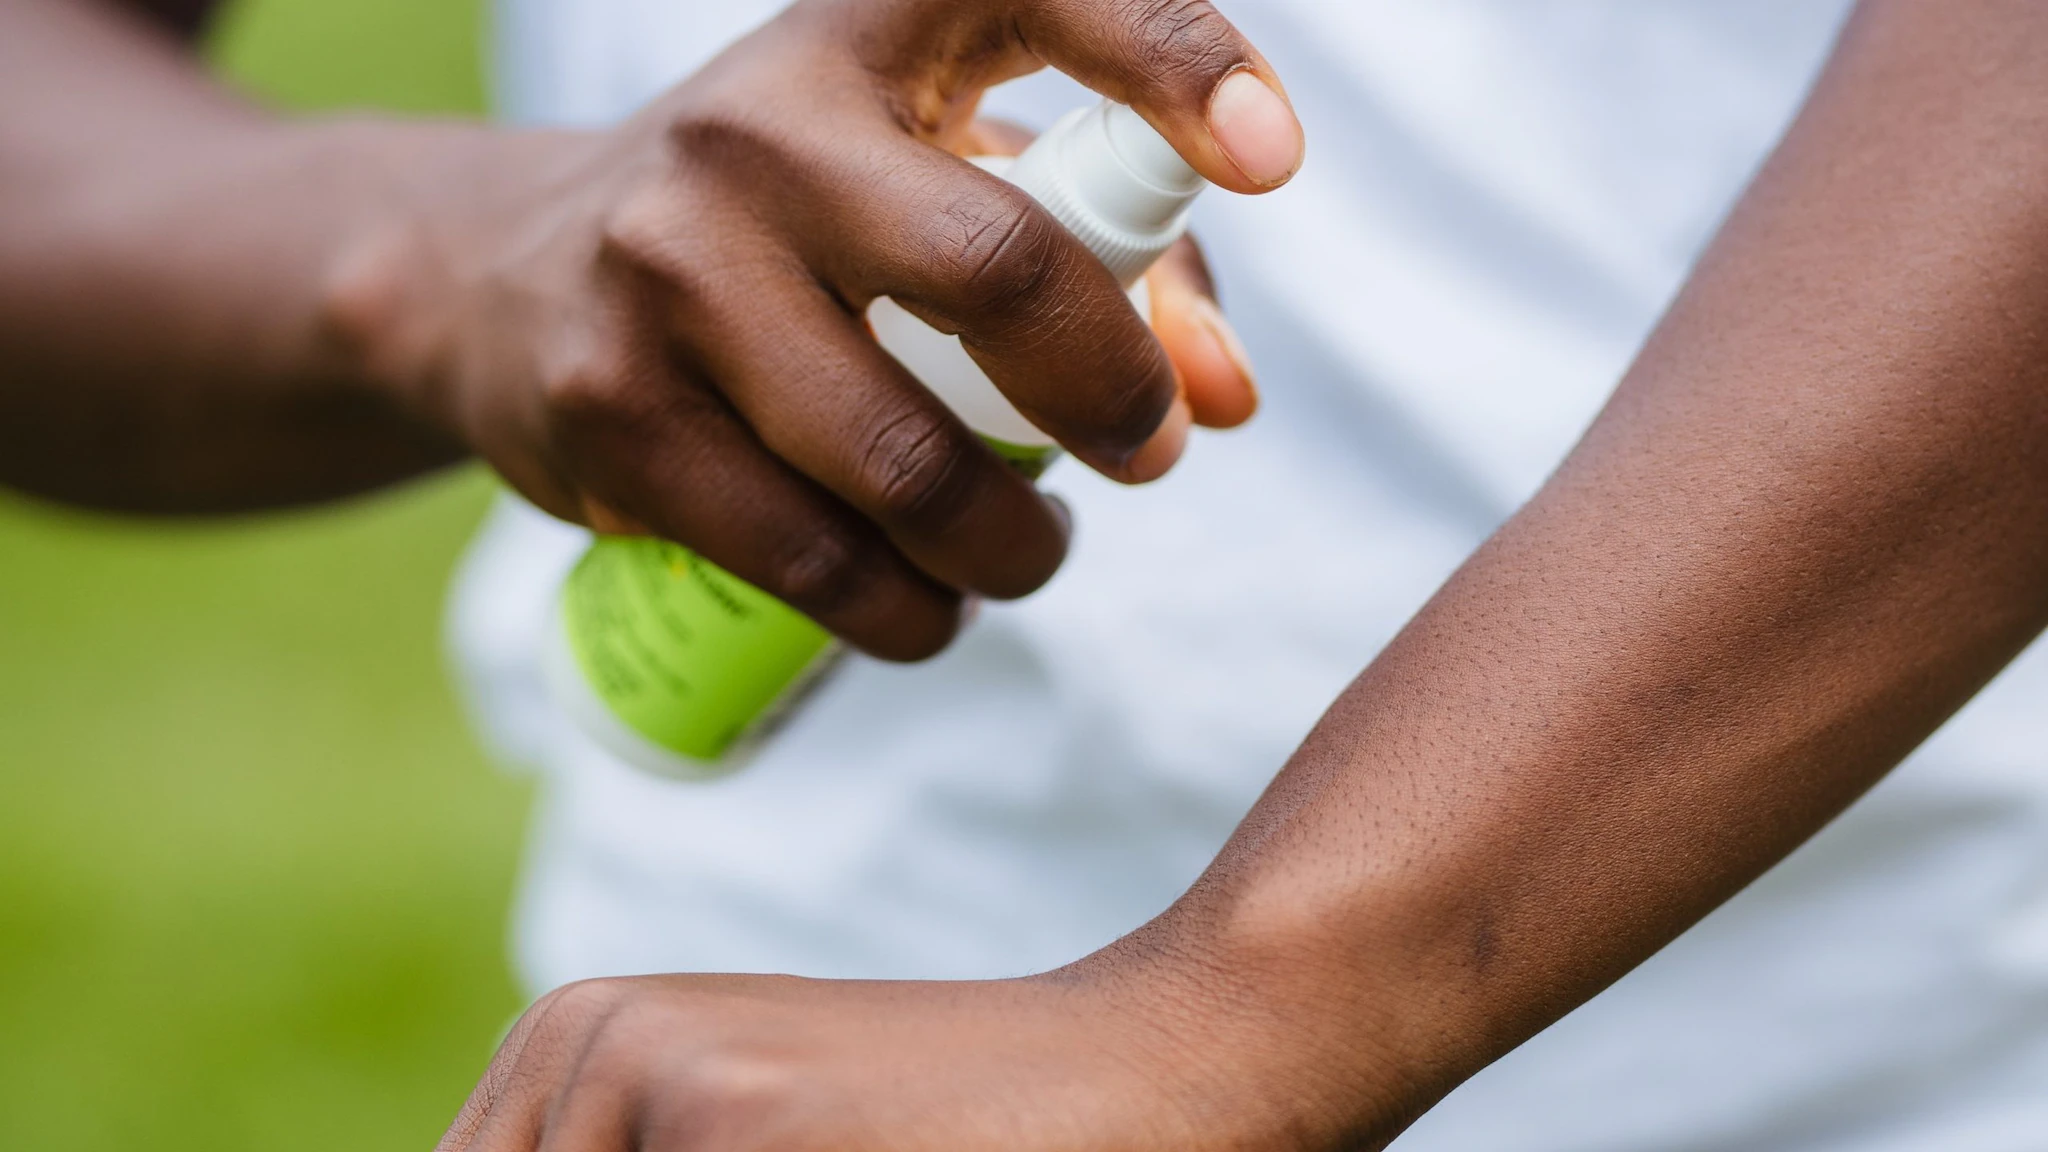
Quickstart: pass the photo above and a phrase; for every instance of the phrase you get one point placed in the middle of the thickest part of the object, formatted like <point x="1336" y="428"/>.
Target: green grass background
<point x="253" y="873"/>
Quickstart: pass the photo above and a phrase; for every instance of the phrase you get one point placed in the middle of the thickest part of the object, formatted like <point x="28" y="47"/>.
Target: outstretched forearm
<point x="168" y="262"/>
<point x="1812" y="523"/>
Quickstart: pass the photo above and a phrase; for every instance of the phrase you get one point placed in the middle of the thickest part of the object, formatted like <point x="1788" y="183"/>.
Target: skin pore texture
<point x="1811" y="523"/>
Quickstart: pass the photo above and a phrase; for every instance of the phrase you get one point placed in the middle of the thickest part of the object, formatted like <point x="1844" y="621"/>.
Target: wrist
<point x="1279" y="1048"/>
<point x="1316" y="1016"/>
<point x="386" y="289"/>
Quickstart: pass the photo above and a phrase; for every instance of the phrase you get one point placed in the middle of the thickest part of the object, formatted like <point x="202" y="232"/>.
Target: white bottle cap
<point x="1114" y="182"/>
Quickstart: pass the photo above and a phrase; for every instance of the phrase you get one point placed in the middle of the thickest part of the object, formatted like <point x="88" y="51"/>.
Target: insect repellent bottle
<point x="680" y="668"/>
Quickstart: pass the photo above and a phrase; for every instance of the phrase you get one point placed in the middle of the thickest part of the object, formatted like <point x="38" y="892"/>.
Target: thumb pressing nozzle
<point x="1147" y="154"/>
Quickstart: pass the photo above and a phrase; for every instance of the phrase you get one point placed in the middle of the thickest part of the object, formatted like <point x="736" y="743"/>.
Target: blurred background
<point x="253" y="873"/>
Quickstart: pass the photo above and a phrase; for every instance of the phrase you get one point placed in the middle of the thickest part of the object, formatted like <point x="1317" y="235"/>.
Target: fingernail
<point x="1255" y="128"/>
<point x="1164" y="449"/>
<point x="1211" y="318"/>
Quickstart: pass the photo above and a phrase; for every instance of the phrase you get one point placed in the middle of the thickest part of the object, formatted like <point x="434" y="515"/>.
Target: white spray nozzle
<point x="1114" y="182"/>
<point x="1147" y="154"/>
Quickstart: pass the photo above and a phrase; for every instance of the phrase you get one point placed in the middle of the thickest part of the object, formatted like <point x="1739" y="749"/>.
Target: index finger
<point x="975" y="256"/>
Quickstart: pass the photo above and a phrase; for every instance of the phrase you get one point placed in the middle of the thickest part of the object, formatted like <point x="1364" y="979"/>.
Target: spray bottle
<point x="682" y="669"/>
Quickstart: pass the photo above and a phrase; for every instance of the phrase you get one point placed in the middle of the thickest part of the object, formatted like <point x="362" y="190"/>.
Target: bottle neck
<point x="1114" y="182"/>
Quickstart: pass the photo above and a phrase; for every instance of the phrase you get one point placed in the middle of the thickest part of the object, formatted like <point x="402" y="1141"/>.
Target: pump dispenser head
<point x="1114" y="182"/>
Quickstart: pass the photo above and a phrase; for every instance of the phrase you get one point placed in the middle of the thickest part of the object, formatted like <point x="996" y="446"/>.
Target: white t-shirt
<point x="1501" y="197"/>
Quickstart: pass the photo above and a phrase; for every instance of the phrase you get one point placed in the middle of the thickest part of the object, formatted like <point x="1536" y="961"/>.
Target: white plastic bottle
<point x="679" y="667"/>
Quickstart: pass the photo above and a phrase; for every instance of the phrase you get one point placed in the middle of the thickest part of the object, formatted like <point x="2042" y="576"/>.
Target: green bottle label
<point x="691" y="657"/>
<point x="683" y="652"/>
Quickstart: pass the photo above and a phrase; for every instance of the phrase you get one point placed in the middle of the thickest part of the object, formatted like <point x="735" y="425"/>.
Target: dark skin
<point x="184" y="18"/>
<point x="656" y="328"/>
<point x="1811" y="523"/>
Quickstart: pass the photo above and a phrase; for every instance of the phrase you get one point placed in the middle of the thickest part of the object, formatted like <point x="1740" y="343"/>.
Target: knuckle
<point x="725" y="1095"/>
<point x="587" y="390"/>
<point x="1187" y="39"/>
<point x="1004" y="251"/>
<point x="722" y="143"/>
<point x="644" y="227"/>
<point x="743" y="1082"/>
<point x="822" y="574"/>
<point x="688" y="224"/>
<point x="918" y="471"/>
<point x="650" y="241"/>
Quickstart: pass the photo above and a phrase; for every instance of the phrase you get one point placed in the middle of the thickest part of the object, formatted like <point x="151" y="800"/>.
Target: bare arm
<point x="1812" y="523"/>
<point x="162" y="265"/>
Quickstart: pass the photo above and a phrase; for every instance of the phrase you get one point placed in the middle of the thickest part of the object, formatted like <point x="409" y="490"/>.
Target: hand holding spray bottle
<point x="680" y="668"/>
